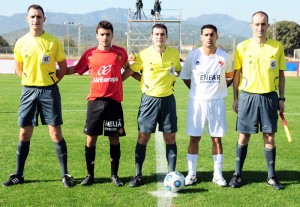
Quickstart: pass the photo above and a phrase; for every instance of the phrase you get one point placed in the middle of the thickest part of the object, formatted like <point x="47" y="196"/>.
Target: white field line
<point x="164" y="197"/>
<point x="84" y="110"/>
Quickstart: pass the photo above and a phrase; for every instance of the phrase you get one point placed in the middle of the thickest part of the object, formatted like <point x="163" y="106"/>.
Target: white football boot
<point x="220" y="181"/>
<point x="190" y="179"/>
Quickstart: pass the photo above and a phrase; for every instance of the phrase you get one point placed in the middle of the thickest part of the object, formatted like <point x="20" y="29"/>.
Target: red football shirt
<point x="104" y="68"/>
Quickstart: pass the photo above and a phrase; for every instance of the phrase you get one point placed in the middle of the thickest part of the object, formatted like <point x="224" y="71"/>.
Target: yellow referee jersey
<point x="260" y="65"/>
<point x="39" y="56"/>
<point x="158" y="70"/>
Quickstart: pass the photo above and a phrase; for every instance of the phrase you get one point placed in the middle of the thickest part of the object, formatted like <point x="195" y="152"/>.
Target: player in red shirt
<point x="104" y="64"/>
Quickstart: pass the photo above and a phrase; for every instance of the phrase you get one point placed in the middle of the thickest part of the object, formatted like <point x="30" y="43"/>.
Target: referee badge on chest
<point x="273" y="64"/>
<point x="46" y="59"/>
<point x="172" y="70"/>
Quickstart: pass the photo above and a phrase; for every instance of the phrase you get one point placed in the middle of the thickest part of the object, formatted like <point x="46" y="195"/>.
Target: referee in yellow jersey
<point x="259" y="72"/>
<point x="159" y="65"/>
<point x="36" y="55"/>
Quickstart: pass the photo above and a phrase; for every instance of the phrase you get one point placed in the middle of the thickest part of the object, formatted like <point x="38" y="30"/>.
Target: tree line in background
<point x="3" y="42"/>
<point x="287" y="32"/>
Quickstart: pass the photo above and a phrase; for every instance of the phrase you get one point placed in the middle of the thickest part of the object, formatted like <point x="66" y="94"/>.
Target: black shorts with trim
<point x="104" y="114"/>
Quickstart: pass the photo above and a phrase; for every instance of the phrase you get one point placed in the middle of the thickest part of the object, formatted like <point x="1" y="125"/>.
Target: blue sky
<point x="277" y="10"/>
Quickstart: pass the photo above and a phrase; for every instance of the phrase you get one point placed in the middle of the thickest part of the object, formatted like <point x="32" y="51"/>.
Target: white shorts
<point x="210" y="112"/>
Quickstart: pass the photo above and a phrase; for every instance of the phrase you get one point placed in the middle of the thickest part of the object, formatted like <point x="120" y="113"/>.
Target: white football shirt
<point x="207" y="74"/>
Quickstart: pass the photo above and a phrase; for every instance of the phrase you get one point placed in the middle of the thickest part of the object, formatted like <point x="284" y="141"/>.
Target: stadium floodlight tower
<point x="139" y="29"/>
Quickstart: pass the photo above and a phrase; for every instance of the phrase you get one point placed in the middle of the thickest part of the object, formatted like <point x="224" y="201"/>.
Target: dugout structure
<point x="139" y="30"/>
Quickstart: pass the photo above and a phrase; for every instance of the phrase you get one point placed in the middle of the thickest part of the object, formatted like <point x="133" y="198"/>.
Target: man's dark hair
<point x="209" y="26"/>
<point x="35" y="6"/>
<point x="260" y="12"/>
<point x="105" y="25"/>
<point x="161" y="26"/>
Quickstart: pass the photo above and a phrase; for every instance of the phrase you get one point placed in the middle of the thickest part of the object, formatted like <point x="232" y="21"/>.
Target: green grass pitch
<point x="43" y="185"/>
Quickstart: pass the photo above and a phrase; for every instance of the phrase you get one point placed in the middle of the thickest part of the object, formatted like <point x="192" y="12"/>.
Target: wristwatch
<point x="281" y="99"/>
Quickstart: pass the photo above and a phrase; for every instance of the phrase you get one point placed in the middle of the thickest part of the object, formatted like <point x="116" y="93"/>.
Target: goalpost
<point x="297" y="54"/>
<point x="297" y="58"/>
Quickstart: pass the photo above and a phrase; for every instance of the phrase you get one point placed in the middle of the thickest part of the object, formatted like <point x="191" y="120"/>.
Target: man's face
<point x="35" y="19"/>
<point x="159" y="37"/>
<point x="104" y="37"/>
<point x="209" y="38"/>
<point x="259" y="25"/>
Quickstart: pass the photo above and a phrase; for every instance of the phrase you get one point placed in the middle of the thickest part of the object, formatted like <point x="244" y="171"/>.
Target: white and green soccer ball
<point x="174" y="181"/>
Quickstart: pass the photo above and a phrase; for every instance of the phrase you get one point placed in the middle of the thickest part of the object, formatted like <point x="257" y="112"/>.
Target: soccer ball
<point x="174" y="181"/>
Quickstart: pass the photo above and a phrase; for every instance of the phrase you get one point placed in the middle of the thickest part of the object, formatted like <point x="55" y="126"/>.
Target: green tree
<point x="288" y="33"/>
<point x="3" y="42"/>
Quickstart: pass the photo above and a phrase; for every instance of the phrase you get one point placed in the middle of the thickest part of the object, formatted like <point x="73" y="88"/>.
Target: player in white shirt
<point x="207" y="72"/>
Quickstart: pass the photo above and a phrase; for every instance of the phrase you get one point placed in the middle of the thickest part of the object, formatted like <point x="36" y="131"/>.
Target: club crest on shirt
<point x="221" y="63"/>
<point x="119" y="57"/>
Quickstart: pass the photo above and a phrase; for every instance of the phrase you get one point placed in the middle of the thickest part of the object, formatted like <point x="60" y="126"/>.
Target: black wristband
<point x="281" y="99"/>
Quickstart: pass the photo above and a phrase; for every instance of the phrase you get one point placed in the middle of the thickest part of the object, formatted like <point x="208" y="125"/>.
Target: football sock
<point x="90" y="154"/>
<point x="62" y="154"/>
<point x="241" y="153"/>
<point x="218" y="165"/>
<point x="140" y="154"/>
<point x="22" y="153"/>
<point x="192" y="163"/>
<point x="115" y="154"/>
<point x="270" y="156"/>
<point x="171" y="154"/>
